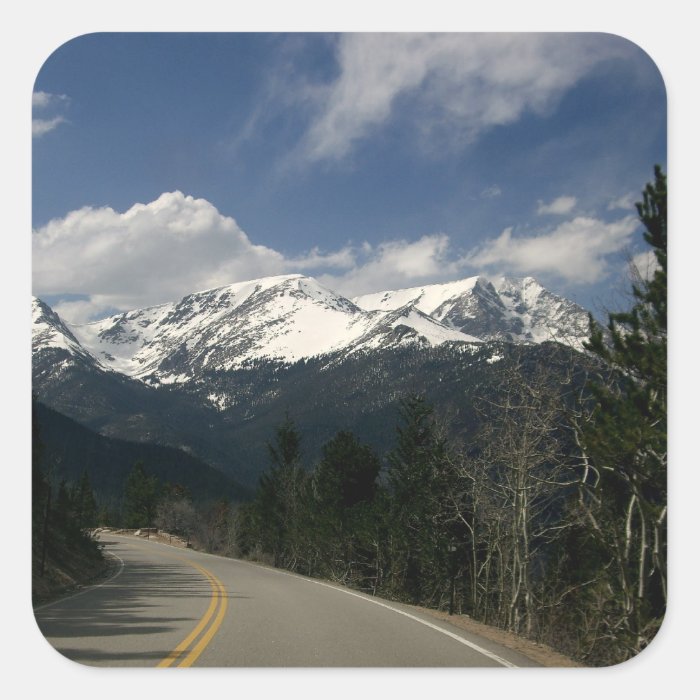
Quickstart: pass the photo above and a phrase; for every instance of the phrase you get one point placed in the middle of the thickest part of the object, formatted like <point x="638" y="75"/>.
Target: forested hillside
<point x="71" y="450"/>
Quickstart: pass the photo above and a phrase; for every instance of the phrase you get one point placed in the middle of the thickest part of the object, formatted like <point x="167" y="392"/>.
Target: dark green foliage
<point x="346" y="475"/>
<point x="625" y="445"/>
<point x="85" y="504"/>
<point x="107" y="461"/>
<point x="141" y="493"/>
<point x="274" y="516"/>
<point x="343" y="487"/>
<point x="416" y="481"/>
<point x="63" y="552"/>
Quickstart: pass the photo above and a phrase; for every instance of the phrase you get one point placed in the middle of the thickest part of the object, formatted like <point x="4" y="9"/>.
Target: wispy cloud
<point x="46" y="101"/>
<point x="491" y="192"/>
<point x="626" y="202"/>
<point x="41" y="99"/>
<point x="645" y="264"/>
<point x="468" y="83"/>
<point x="43" y="126"/>
<point x="561" y="205"/>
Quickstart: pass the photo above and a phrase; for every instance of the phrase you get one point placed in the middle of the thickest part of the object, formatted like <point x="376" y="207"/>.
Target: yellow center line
<point x="219" y="599"/>
<point x="217" y="591"/>
<point x="202" y="644"/>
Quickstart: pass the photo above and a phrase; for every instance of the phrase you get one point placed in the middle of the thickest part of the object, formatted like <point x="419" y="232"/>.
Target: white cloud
<point x="561" y="205"/>
<point x="160" y="251"/>
<point x="626" y="202"/>
<point x="82" y="311"/>
<point x="43" y="126"/>
<point x="41" y="99"/>
<point x="315" y="259"/>
<point x="397" y="264"/>
<point x="468" y="83"/>
<point x="45" y="101"/>
<point x="153" y="253"/>
<point x="150" y="254"/>
<point x="575" y="251"/>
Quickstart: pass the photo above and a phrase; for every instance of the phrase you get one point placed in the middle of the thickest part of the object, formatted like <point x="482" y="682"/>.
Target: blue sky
<point x="168" y="163"/>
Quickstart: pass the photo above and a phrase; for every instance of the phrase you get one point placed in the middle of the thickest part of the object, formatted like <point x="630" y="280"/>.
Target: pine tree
<point x="140" y="498"/>
<point x="416" y="469"/>
<point x="275" y="514"/>
<point x="625" y="444"/>
<point x="346" y="474"/>
<point x="343" y="484"/>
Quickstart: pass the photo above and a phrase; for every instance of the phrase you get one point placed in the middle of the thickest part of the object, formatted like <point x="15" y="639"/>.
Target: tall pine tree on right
<point x="623" y="498"/>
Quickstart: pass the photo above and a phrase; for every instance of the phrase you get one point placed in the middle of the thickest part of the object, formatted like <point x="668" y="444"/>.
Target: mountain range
<point x="292" y="317"/>
<point x="212" y="373"/>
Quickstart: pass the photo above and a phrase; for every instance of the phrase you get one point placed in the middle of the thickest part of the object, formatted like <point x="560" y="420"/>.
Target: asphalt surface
<point x="171" y="607"/>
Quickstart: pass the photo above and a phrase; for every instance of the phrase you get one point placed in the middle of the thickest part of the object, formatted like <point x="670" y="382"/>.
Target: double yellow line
<point x="189" y="649"/>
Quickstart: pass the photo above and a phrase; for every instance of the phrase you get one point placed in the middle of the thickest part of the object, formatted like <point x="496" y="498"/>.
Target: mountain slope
<point x="284" y="319"/>
<point x="515" y="310"/>
<point x="72" y="448"/>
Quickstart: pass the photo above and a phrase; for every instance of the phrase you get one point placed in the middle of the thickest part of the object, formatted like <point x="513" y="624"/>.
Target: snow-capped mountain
<point x="515" y="310"/>
<point x="215" y="372"/>
<point x="284" y="318"/>
<point x="292" y="317"/>
<point x="54" y="347"/>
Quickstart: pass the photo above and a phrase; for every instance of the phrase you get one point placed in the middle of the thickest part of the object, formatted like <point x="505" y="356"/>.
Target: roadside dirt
<point x="540" y="653"/>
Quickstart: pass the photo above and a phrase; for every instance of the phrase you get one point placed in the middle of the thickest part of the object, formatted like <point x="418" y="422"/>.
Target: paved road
<point x="173" y="607"/>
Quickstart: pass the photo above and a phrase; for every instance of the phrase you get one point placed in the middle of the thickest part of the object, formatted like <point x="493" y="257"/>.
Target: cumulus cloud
<point x="150" y="254"/>
<point x="468" y="83"/>
<point x="46" y="101"/>
<point x="153" y="253"/>
<point x="160" y="251"/>
<point x="575" y="251"/>
<point x="396" y="264"/>
<point x="561" y="205"/>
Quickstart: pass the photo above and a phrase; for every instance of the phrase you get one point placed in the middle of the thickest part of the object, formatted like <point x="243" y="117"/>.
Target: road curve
<point x="170" y="607"/>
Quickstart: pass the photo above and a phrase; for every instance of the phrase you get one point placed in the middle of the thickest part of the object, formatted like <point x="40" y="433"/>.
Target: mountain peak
<point x="514" y="309"/>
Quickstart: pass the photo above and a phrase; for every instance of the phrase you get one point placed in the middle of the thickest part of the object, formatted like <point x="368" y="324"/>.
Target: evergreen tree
<point x="85" y="504"/>
<point x="343" y="485"/>
<point x="420" y="556"/>
<point x="140" y="498"/>
<point x="347" y="473"/>
<point x="275" y="514"/>
<point x="625" y="445"/>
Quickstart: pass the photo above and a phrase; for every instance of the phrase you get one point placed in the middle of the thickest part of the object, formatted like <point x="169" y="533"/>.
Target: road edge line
<point x="88" y="589"/>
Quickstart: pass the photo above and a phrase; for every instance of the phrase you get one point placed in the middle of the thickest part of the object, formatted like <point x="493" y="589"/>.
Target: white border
<point x="666" y="31"/>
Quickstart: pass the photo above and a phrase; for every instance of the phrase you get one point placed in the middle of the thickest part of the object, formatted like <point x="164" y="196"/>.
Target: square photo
<point x="349" y="350"/>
